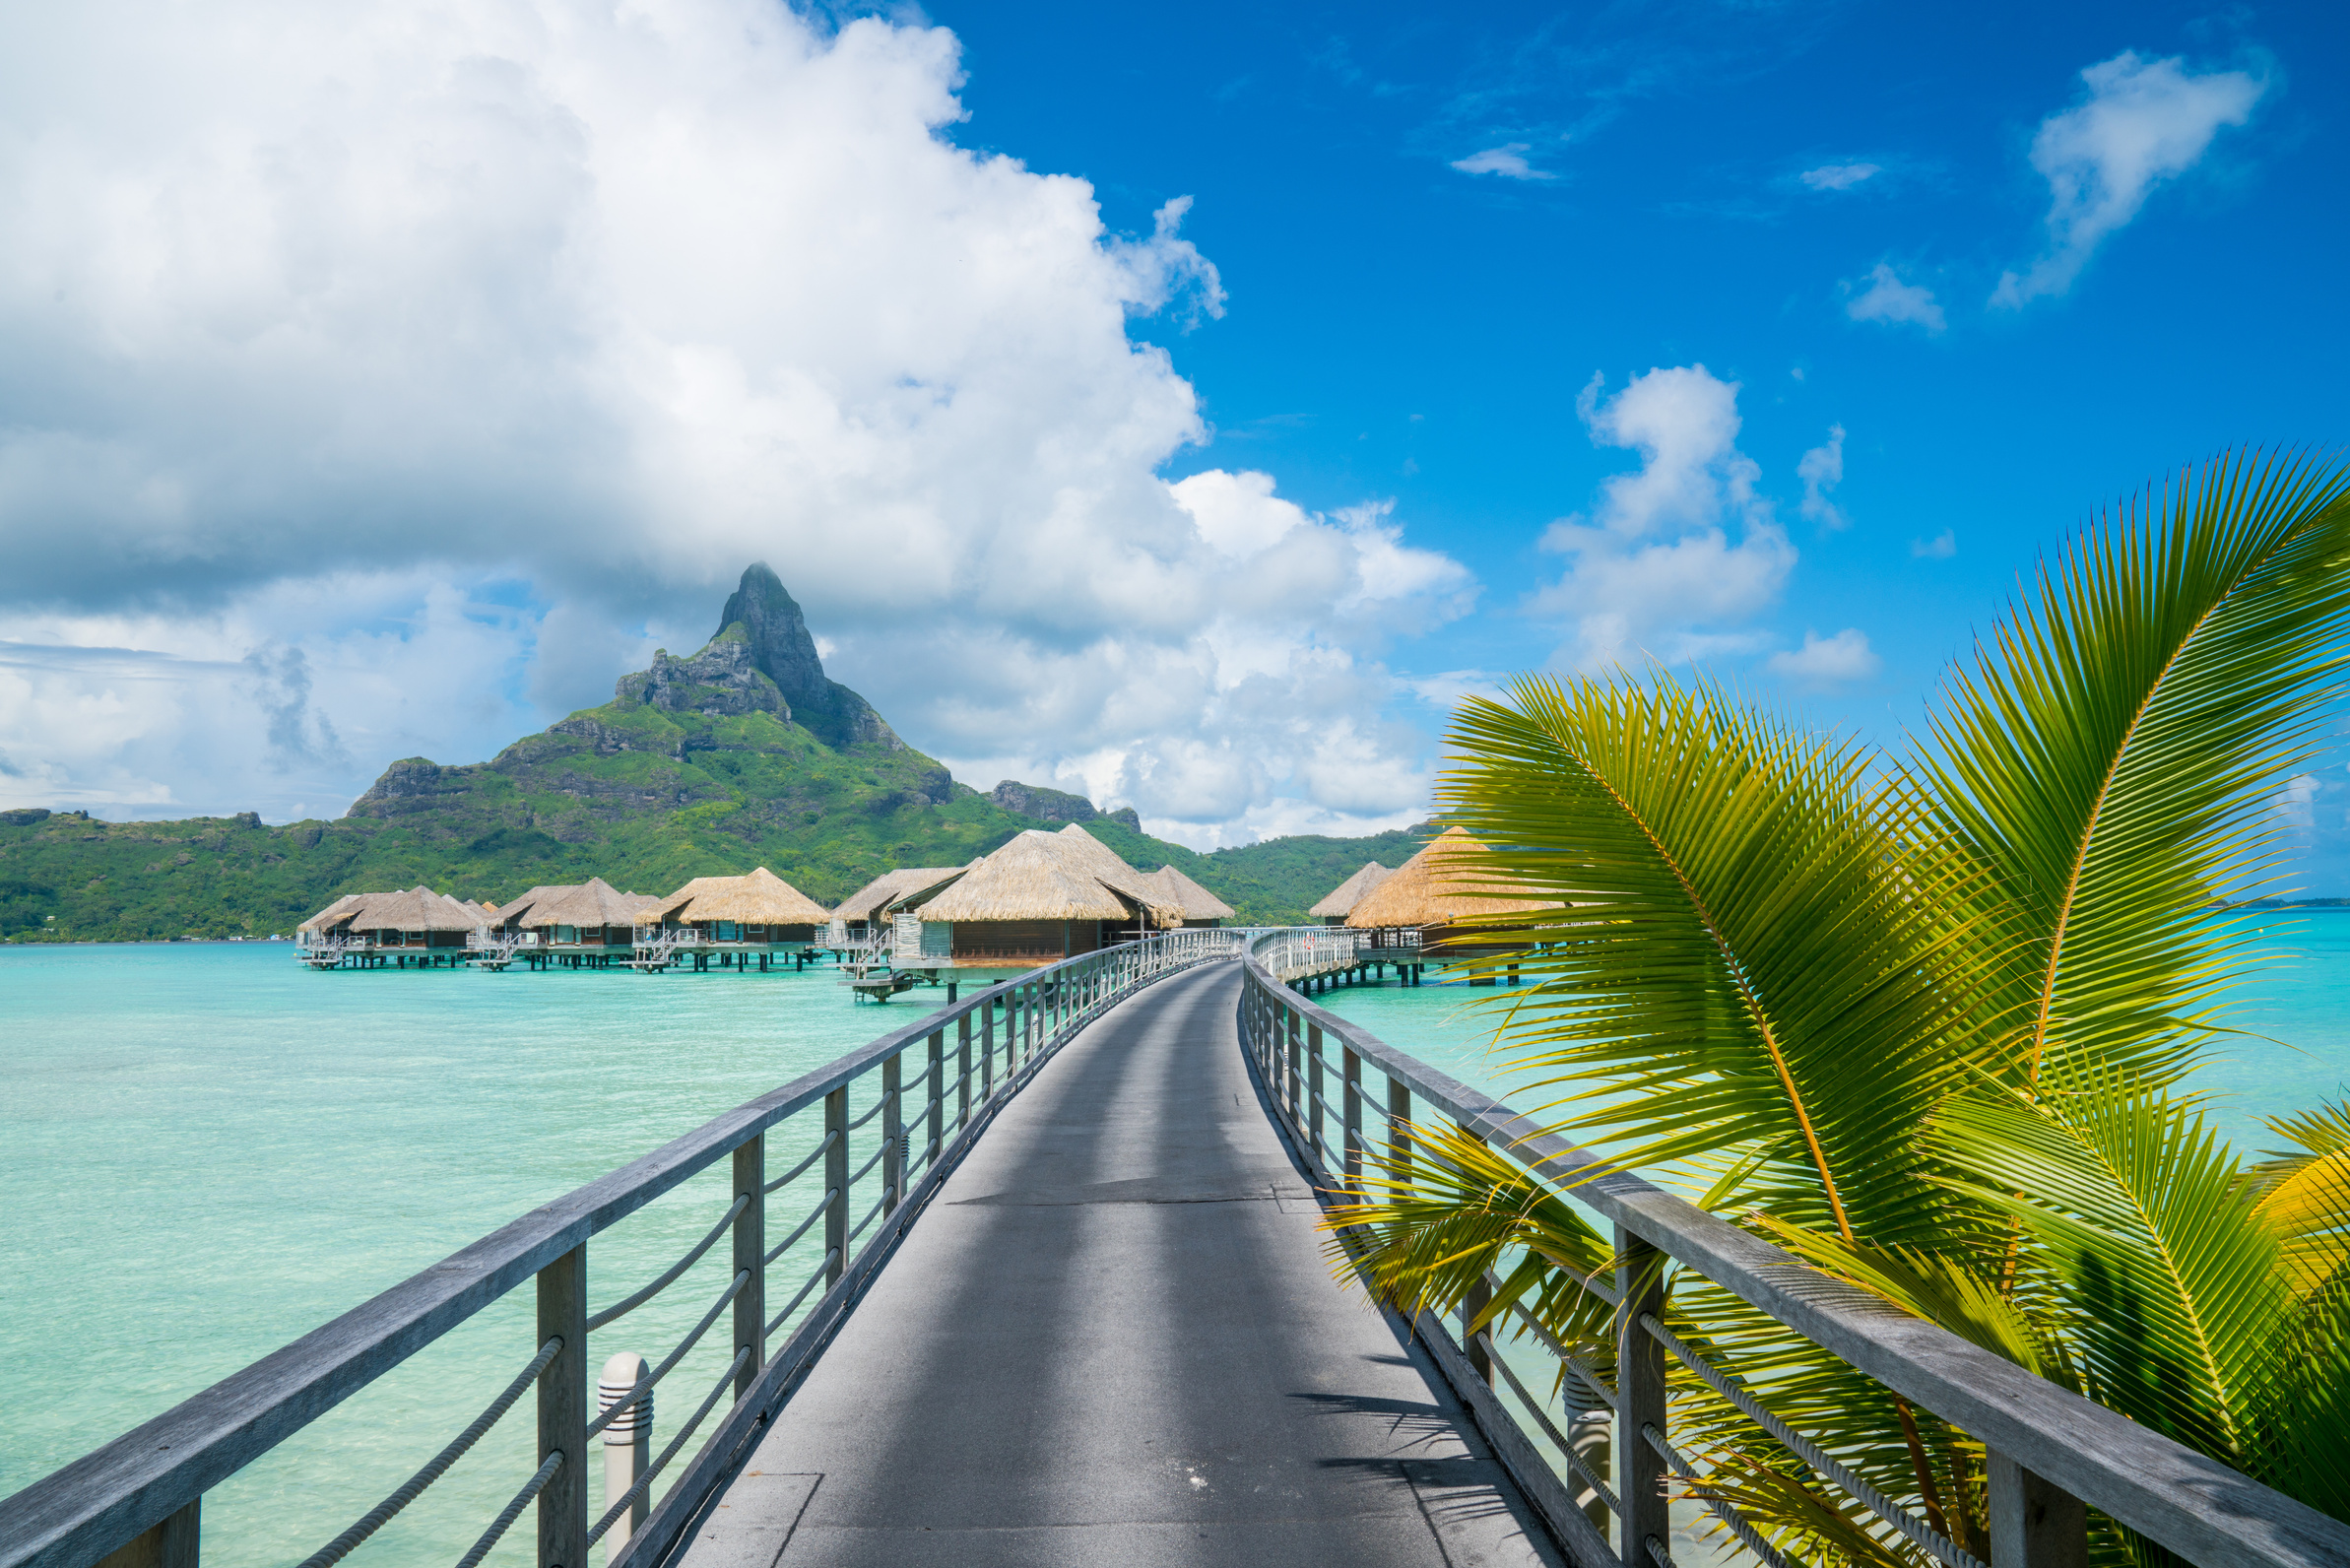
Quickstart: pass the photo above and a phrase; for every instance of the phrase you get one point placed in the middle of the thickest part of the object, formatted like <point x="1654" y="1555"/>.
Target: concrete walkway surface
<point x="1113" y="1340"/>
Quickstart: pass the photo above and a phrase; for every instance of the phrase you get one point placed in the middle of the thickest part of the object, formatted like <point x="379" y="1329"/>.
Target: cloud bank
<point x="376" y="381"/>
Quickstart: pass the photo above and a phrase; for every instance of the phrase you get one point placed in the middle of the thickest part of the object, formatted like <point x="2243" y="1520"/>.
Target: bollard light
<point x="627" y="1445"/>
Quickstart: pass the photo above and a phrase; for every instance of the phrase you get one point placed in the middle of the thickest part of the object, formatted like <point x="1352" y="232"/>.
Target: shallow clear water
<point x="209" y="1150"/>
<point x="2295" y="1012"/>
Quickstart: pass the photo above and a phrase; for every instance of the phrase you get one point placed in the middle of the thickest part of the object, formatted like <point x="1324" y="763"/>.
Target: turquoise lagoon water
<point x="208" y="1150"/>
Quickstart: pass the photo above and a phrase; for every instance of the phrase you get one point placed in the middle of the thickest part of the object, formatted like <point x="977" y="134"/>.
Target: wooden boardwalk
<point x="1113" y="1340"/>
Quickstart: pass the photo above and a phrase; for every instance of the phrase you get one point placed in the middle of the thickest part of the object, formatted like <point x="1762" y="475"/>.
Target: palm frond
<point x="2143" y="1212"/>
<point x="2106" y="760"/>
<point x="1739" y="971"/>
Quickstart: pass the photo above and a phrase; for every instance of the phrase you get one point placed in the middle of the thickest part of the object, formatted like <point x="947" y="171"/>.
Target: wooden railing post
<point x="962" y="1071"/>
<point x="750" y="1249"/>
<point x="176" y="1543"/>
<point x="836" y="1182"/>
<point x="1313" y="1092"/>
<point x="2033" y="1522"/>
<point x="1297" y="1053"/>
<point x="937" y="1097"/>
<point x="894" y="1159"/>
<point x="987" y="1048"/>
<point x="1399" y="1128"/>
<point x="1640" y="1477"/>
<point x="1480" y="1297"/>
<point x="564" y="1411"/>
<point x="1352" y="1104"/>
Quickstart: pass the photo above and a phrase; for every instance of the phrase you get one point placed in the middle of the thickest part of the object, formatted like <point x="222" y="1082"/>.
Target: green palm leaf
<point x="2106" y="760"/>
<point x="2178" y="1295"/>
<point x="1738" y="976"/>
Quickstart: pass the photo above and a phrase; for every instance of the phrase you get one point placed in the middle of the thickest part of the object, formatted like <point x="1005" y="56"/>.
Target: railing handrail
<point x="92" y="1504"/>
<point x="2193" y="1505"/>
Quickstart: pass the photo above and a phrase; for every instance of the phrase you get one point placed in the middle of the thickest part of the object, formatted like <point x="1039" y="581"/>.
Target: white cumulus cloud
<point x="1658" y="571"/>
<point x="1507" y="161"/>
<point x="2144" y="121"/>
<point x="1828" y="661"/>
<point x="378" y="380"/>
<point x="1887" y="298"/>
<point x="1941" y="546"/>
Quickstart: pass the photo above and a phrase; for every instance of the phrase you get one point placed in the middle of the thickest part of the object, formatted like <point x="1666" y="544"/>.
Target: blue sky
<point x="1302" y="366"/>
<point x="1398" y="327"/>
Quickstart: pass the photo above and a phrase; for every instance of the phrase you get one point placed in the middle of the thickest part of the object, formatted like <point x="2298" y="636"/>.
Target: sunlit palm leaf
<point x="2106" y="759"/>
<point x="1739" y="974"/>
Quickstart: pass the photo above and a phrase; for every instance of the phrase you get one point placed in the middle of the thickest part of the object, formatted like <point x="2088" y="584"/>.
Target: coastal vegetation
<point x="1928" y="1020"/>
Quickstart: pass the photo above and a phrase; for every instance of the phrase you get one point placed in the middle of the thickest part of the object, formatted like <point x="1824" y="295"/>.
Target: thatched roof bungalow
<point x="868" y="908"/>
<point x="1340" y="900"/>
<point x="417" y="917"/>
<point x="589" y="914"/>
<point x="1428" y="893"/>
<point x="760" y="909"/>
<point x="1040" y="899"/>
<point x="1199" y="907"/>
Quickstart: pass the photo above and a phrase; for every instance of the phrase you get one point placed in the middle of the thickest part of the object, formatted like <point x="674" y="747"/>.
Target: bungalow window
<point x="727" y="931"/>
<point x="566" y="933"/>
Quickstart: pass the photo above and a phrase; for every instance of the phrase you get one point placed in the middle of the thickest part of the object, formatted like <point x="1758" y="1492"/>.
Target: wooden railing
<point x="138" y="1500"/>
<point x="2052" y="1453"/>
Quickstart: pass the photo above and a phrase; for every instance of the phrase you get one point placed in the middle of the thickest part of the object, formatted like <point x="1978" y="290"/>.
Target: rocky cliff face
<point x="768" y="620"/>
<point x="724" y="680"/>
<point x="1056" y="806"/>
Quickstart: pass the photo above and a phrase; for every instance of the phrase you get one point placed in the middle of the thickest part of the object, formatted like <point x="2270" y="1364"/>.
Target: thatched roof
<point x="1343" y="898"/>
<point x="892" y="885"/>
<point x="594" y="902"/>
<point x="1041" y="876"/>
<point x="1420" y="893"/>
<point x="1198" y="902"/>
<point x="332" y="915"/>
<point x="761" y="898"/>
<point x="418" y="908"/>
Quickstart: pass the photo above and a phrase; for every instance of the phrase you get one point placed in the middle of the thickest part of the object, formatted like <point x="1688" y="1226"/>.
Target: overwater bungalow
<point x="733" y="920"/>
<point x="865" y="914"/>
<point x="582" y="925"/>
<point x="1040" y="899"/>
<point x="415" y="928"/>
<point x="1199" y="907"/>
<point x="1412" y="913"/>
<point x="1340" y="900"/>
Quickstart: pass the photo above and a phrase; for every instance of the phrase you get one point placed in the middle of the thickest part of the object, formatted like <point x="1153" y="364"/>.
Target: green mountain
<point x="743" y="754"/>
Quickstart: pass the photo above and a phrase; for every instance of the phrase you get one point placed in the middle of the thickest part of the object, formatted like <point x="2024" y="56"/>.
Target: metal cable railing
<point x="513" y="1510"/>
<point x="375" y="1519"/>
<point x="823" y="1206"/>
<point x="2060" y="1443"/>
<point x="149" y="1484"/>
<point x="627" y="1304"/>
<point x="1719" y="1507"/>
